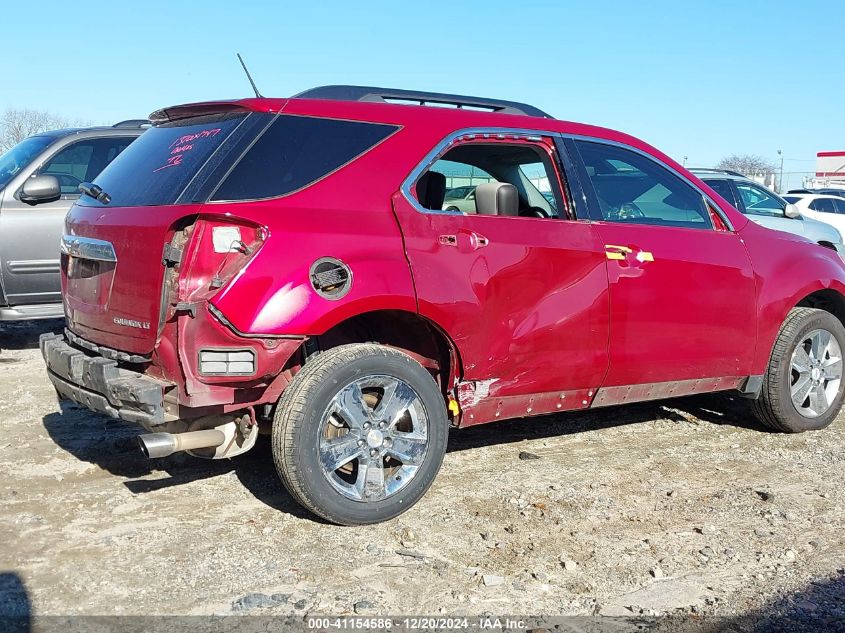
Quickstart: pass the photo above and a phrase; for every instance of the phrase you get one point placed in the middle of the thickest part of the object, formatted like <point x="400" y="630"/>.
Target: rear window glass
<point x="156" y="168"/>
<point x="219" y="158"/>
<point x="297" y="151"/>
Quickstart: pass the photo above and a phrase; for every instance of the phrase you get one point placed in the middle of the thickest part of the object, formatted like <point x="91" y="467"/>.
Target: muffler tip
<point x="157" y="444"/>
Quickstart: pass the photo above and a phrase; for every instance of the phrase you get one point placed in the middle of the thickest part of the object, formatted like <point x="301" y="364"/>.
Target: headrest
<point x="431" y="190"/>
<point x="497" y="198"/>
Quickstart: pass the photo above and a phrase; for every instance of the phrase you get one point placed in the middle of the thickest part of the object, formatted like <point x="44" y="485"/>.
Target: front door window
<point x="758" y="201"/>
<point x="82" y="161"/>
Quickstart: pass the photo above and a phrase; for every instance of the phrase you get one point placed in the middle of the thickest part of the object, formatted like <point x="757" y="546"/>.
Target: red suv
<point x="287" y="265"/>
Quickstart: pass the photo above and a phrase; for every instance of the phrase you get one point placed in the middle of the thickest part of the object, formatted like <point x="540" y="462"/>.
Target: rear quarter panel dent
<point x="274" y="295"/>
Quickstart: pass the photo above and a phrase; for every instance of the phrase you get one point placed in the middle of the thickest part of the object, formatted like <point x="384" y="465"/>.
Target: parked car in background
<point x="768" y="209"/>
<point x="229" y="272"/>
<point x="829" y="191"/>
<point x="460" y="199"/>
<point x="822" y="207"/>
<point x="39" y="181"/>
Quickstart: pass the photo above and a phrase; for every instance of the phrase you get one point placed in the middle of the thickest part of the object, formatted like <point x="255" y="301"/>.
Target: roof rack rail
<point x="133" y="123"/>
<point x="717" y="170"/>
<point x="395" y="95"/>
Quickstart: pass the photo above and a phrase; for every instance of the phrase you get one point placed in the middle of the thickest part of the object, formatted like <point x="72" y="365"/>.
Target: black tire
<point x="298" y="428"/>
<point x="775" y="408"/>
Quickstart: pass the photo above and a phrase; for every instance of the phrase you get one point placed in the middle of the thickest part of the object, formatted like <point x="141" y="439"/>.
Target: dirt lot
<point x="683" y="506"/>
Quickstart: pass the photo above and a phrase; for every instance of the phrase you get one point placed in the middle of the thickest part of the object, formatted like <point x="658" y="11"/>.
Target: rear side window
<point x="295" y="152"/>
<point x="824" y="205"/>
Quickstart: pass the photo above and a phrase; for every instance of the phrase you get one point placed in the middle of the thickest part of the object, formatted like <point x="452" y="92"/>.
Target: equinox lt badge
<point x="141" y="325"/>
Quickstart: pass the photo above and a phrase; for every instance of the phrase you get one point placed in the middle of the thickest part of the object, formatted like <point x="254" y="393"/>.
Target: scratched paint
<point x="471" y="393"/>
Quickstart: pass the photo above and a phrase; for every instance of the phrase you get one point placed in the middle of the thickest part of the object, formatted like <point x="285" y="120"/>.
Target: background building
<point x="830" y="171"/>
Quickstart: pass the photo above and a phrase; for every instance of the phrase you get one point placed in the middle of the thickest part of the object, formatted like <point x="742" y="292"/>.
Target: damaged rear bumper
<point x="101" y="385"/>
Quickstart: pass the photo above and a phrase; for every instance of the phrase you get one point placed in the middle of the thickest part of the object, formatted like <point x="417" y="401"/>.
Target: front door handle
<point x="617" y="252"/>
<point x="477" y="240"/>
<point x="612" y="251"/>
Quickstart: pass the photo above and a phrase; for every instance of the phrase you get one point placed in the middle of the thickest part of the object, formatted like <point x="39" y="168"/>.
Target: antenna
<point x="248" y="76"/>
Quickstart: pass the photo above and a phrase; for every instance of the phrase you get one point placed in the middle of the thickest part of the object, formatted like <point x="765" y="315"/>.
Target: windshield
<point x="13" y="161"/>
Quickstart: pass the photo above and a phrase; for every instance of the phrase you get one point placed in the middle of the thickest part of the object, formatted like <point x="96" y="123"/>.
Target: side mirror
<point x="41" y="189"/>
<point x="791" y="211"/>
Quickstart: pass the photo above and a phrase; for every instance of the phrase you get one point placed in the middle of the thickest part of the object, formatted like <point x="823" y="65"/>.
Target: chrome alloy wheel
<point x="373" y="438"/>
<point x="816" y="371"/>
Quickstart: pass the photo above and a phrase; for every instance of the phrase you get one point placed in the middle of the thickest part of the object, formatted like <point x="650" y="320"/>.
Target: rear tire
<point x="803" y="386"/>
<point x="359" y="434"/>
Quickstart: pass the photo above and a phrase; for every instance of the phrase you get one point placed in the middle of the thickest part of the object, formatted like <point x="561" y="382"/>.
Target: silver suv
<point x="39" y="181"/>
<point x="767" y="208"/>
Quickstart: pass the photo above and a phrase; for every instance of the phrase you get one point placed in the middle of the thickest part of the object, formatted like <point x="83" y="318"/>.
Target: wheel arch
<point x="826" y="299"/>
<point x="827" y="295"/>
<point x="410" y="332"/>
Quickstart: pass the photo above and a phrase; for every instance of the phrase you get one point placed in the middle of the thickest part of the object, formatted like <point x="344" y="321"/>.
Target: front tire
<point x="803" y="386"/>
<point x="360" y="434"/>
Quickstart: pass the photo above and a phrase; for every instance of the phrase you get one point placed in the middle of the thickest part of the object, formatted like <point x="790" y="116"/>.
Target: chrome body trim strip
<point x="88" y="248"/>
<point x="530" y="135"/>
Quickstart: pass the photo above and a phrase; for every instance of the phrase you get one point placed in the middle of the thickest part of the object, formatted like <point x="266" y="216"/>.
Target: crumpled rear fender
<point x="274" y="293"/>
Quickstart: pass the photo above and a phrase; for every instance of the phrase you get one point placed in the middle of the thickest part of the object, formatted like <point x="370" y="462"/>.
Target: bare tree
<point x="16" y="125"/>
<point x="747" y="165"/>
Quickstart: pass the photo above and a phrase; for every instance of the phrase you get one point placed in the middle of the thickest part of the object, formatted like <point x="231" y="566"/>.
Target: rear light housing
<point x="217" y="250"/>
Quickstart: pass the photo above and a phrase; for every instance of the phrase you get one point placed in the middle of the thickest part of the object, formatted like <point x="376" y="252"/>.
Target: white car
<point x="823" y="207"/>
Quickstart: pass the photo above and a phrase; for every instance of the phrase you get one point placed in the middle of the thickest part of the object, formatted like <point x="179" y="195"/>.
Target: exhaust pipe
<point x="164" y="444"/>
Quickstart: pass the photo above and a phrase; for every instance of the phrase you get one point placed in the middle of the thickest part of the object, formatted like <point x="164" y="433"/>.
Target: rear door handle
<point x="465" y="240"/>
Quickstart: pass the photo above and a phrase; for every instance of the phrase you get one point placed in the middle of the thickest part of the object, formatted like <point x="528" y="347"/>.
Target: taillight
<point x="217" y="250"/>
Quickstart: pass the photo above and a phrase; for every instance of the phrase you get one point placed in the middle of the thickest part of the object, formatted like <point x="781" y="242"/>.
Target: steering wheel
<point x="626" y="211"/>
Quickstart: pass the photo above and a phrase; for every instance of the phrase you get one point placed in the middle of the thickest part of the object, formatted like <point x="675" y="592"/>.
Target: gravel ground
<point x="676" y="507"/>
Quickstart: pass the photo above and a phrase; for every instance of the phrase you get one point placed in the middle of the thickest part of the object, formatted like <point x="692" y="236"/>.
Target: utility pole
<point x="780" y="179"/>
<point x="684" y="164"/>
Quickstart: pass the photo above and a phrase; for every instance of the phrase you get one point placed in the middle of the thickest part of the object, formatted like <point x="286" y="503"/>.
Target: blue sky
<point x="701" y="79"/>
